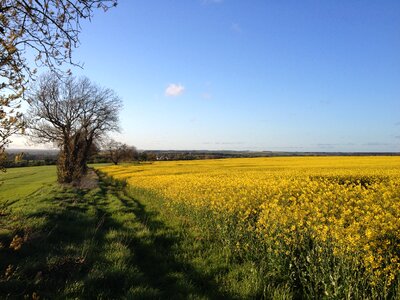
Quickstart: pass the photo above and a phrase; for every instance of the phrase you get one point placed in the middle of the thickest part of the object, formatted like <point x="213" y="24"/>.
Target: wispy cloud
<point x="206" y="96"/>
<point x="377" y="144"/>
<point x="212" y="1"/>
<point x="326" y="146"/>
<point x="324" y="102"/>
<point x="223" y="143"/>
<point x="229" y="143"/>
<point x="174" y="90"/>
<point x="334" y="145"/>
<point x="236" y="28"/>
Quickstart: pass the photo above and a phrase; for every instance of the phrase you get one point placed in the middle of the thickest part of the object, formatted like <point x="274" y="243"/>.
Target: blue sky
<point x="250" y="75"/>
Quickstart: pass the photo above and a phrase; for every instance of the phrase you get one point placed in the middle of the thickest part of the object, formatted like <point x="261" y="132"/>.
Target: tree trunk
<point x="64" y="165"/>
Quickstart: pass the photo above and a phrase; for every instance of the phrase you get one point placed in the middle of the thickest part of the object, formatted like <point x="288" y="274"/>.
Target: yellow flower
<point x="349" y="203"/>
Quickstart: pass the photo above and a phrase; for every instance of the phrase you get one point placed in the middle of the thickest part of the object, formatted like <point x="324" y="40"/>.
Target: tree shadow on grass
<point x="50" y="239"/>
<point x="158" y="273"/>
<point x="95" y="244"/>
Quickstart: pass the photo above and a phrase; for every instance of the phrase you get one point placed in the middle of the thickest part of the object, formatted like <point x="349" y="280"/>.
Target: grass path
<point x="139" y="252"/>
<point x="93" y="244"/>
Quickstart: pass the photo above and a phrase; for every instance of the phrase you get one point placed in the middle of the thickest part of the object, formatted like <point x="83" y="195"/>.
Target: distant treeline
<point x="199" y="154"/>
<point x="24" y="158"/>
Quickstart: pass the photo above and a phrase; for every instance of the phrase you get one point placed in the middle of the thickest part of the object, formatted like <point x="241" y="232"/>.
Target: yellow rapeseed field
<point x="347" y="206"/>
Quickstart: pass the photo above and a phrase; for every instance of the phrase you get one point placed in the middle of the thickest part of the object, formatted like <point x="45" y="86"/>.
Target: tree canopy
<point x="48" y="30"/>
<point x="72" y="114"/>
<point x="117" y="152"/>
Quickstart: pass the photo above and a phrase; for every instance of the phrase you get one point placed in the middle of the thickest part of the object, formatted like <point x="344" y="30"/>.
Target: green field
<point x="19" y="183"/>
<point x="58" y="242"/>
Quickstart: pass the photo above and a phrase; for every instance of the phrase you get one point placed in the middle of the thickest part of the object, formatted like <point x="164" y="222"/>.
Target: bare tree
<point x="73" y="114"/>
<point x="48" y="29"/>
<point x="118" y="152"/>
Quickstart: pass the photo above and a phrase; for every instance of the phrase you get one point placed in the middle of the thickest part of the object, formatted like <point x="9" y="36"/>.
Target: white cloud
<point x="174" y="90"/>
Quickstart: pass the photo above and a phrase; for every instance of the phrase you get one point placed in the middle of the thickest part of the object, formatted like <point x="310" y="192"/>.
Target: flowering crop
<point x="347" y="206"/>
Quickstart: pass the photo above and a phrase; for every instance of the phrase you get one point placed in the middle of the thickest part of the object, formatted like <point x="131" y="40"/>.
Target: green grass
<point x="104" y="244"/>
<point x="19" y="183"/>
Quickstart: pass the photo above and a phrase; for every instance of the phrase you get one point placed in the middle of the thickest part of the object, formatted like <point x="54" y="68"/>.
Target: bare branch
<point x="51" y="30"/>
<point x="72" y="114"/>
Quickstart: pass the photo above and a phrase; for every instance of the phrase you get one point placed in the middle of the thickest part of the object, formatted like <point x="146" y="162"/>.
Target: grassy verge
<point x="212" y="265"/>
<point x="208" y="243"/>
<point x="59" y="242"/>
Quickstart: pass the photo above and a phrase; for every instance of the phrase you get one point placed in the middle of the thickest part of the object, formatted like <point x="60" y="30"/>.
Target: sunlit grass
<point x="19" y="183"/>
<point x="65" y="243"/>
